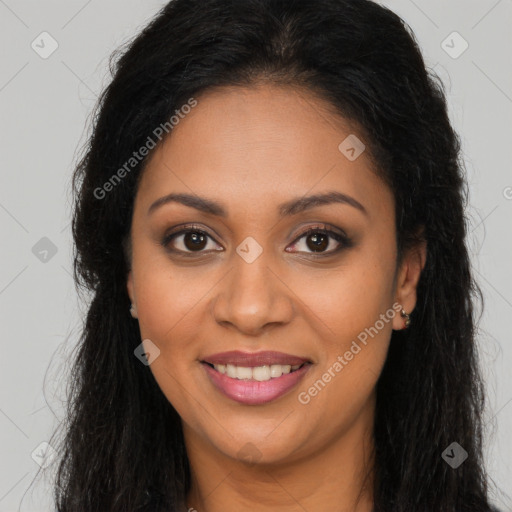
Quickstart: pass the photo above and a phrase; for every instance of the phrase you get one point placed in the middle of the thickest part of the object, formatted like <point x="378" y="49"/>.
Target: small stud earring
<point x="133" y="311"/>
<point x="407" y="317"/>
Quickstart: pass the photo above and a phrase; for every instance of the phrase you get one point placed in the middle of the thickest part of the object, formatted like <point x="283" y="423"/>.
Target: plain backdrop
<point x="55" y="63"/>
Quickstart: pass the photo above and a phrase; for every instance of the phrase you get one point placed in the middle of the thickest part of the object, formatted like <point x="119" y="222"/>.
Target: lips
<point x="263" y="387"/>
<point x="255" y="359"/>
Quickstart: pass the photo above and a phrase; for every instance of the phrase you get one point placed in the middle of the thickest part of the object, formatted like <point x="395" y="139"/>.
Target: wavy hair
<point x="123" y="448"/>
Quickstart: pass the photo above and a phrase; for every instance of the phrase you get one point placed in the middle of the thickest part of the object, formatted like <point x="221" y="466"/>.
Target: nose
<point x="252" y="297"/>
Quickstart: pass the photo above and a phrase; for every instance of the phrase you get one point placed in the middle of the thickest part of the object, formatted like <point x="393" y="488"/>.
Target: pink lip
<point x="268" y="357"/>
<point x="253" y="392"/>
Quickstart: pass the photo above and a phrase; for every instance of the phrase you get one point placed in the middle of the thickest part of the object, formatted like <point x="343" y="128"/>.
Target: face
<point x="272" y="312"/>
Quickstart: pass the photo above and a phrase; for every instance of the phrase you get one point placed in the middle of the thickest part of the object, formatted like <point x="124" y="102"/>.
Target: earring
<point x="407" y="317"/>
<point x="133" y="311"/>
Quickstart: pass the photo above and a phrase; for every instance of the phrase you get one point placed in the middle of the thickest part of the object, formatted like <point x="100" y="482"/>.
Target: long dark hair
<point x="123" y="449"/>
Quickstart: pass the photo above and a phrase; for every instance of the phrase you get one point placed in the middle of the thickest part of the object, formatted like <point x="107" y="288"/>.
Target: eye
<point x="188" y="240"/>
<point x="191" y="239"/>
<point x="319" y="239"/>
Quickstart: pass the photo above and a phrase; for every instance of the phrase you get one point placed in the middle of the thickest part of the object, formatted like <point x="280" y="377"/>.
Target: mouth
<point x="255" y="379"/>
<point x="257" y="373"/>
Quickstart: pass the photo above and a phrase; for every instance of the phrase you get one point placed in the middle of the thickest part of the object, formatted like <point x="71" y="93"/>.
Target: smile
<point x="255" y="379"/>
<point x="259" y="373"/>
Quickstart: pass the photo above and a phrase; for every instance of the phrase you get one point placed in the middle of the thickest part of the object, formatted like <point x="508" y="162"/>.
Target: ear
<point x="131" y="294"/>
<point x="407" y="280"/>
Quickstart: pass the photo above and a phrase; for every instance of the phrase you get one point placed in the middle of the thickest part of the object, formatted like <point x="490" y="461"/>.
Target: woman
<point x="270" y="218"/>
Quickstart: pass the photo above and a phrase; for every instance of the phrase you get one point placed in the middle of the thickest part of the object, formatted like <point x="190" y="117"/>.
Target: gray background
<point x="45" y="107"/>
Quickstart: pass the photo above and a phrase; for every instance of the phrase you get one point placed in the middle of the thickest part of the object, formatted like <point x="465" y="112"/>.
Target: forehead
<point x="253" y="147"/>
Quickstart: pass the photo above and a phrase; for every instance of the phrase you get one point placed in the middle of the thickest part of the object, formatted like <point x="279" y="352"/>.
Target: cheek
<point x="168" y="304"/>
<point x="348" y="371"/>
<point x="348" y="298"/>
<point x="168" y="298"/>
<point x="356" y="304"/>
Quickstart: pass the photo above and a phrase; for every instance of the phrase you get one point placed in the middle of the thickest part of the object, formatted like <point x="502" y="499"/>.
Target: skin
<point x="251" y="149"/>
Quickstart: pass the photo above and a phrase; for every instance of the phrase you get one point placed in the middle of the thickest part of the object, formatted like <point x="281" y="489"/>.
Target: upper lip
<point x="265" y="358"/>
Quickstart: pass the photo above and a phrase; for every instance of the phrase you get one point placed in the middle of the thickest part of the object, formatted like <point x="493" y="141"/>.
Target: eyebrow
<point x="292" y="207"/>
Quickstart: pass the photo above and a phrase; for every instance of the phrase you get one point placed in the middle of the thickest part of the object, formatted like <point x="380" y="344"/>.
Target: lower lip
<point x="253" y="392"/>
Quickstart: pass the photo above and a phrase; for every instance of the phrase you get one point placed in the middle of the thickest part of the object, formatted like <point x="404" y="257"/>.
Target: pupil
<point x="320" y="241"/>
<point x="194" y="240"/>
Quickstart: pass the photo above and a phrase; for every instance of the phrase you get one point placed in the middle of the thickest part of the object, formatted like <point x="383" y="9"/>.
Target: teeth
<point x="231" y="371"/>
<point x="276" y="370"/>
<point x="259" y="373"/>
<point x="243" y="373"/>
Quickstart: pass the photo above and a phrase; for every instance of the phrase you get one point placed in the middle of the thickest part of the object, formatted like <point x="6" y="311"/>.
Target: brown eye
<point x="318" y="240"/>
<point x="188" y="241"/>
<point x="194" y="241"/>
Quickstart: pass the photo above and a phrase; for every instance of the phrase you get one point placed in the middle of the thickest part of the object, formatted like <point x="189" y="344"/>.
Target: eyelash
<point x="342" y="239"/>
